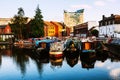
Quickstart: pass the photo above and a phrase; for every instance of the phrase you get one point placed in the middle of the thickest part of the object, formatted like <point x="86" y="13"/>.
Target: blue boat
<point x="72" y="47"/>
<point x="47" y="41"/>
<point x="43" y="46"/>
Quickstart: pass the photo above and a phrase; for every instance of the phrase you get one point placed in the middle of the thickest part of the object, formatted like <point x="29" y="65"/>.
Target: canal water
<point x="21" y="64"/>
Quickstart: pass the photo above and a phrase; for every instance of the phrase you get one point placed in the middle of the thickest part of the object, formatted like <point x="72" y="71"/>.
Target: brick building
<point x="82" y="30"/>
<point x="5" y="32"/>
<point x="53" y="29"/>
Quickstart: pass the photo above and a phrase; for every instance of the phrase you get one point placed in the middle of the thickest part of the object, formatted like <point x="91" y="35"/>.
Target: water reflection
<point x="88" y="60"/>
<point x="71" y="60"/>
<point x="56" y="62"/>
<point x="19" y="56"/>
<point x="23" y="58"/>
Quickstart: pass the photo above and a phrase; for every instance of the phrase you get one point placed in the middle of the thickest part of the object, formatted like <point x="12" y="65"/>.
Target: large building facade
<point x="83" y="29"/>
<point x="110" y="26"/>
<point x="73" y="18"/>
<point x="52" y="29"/>
<point x="5" y="29"/>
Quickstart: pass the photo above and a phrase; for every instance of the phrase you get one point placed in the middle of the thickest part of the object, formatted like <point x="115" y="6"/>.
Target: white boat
<point x="24" y="44"/>
<point x="56" y="50"/>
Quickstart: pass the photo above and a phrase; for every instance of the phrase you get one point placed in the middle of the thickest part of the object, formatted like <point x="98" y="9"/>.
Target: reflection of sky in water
<point x="9" y="70"/>
<point x="112" y="67"/>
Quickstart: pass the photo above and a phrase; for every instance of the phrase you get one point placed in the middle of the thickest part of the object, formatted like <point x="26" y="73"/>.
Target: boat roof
<point x="43" y="41"/>
<point x="46" y="41"/>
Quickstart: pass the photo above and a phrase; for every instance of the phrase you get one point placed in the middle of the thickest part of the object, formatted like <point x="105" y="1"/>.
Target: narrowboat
<point x="43" y="45"/>
<point x="72" y="47"/>
<point x="87" y="47"/>
<point x="56" y="50"/>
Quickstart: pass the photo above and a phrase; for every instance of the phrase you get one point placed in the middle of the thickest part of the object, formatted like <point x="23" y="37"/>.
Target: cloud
<point x="99" y="64"/>
<point x="115" y="72"/>
<point x="100" y="3"/>
<point x="109" y="67"/>
<point x="112" y="0"/>
<point x="85" y="6"/>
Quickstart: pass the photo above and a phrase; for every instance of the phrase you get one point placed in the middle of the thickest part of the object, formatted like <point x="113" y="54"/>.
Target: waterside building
<point x="110" y="26"/>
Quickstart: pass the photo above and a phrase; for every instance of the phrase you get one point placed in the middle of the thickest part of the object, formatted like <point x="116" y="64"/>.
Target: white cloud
<point x="85" y="6"/>
<point x="115" y="72"/>
<point x="112" y="0"/>
<point x="109" y="67"/>
<point x="99" y="3"/>
<point x="99" y="64"/>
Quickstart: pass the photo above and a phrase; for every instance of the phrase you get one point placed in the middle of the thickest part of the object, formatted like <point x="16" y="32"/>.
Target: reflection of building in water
<point x="56" y="62"/>
<point x="0" y="59"/>
<point x="6" y="50"/>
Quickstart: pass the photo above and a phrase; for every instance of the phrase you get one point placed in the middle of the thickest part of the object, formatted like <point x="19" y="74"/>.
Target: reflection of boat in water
<point x="56" y="50"/>
<point x="114" y="46"/>
<point x="71" y="60"/>
<point x="40" y="58"/>
<point x="102" y="56"/>
<point x="88" y="60"/>
<point x="56" y="62"/>
<point x="72" y="47"/>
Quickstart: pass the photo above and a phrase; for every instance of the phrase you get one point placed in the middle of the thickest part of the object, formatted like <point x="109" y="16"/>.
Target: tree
<point x="18" y="24"/>
<point x="95" y="32"/>
<point x="37" y="24"/>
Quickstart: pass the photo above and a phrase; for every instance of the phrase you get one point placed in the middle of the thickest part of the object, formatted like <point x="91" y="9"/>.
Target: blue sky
<point x="52" y="10"/>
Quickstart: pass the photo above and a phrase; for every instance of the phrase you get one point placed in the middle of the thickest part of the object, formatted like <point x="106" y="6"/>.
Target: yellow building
<point x="52" y="29"/>
<point x="49" y="29"/>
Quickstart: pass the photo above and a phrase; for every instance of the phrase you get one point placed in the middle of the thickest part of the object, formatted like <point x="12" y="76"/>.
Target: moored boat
<point x="90" y="46"/>
<point x="24" y="44"/>
<point x="87" y="47"/>
<point x="56" y="50"/>
<point x="72" y="47"/>
<point x="56" y="54"/>
<point x="43" y="44"/>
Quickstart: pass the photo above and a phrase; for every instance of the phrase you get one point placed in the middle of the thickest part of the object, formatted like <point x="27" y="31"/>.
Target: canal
<point x="21" y="64"/>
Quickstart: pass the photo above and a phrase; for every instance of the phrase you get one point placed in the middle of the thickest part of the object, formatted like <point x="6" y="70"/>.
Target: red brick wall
<point x="7" y="29"/>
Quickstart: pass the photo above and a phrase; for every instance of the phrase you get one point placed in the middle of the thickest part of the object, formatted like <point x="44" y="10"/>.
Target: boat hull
<point x="56" y="54"/>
